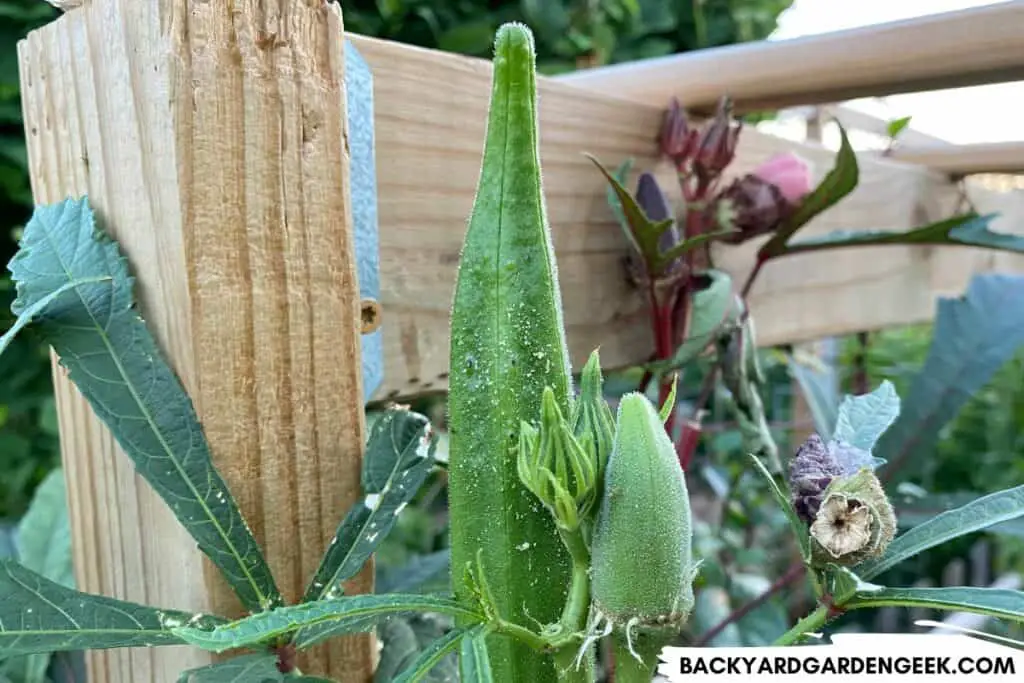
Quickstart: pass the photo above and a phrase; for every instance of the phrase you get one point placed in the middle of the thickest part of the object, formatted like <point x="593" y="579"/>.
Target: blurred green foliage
<point x="28" y="425"/>
<point x="570" y="34"/>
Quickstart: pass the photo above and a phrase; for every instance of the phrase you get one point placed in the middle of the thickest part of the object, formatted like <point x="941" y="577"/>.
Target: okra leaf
<point x="507" y="344"/>
<point x="115" y="363"/>
<point x="30" y="313"/>
<point x="838" y="183"/>
<point x="38" y="615"/>
<point x="620" y="175"/>
<point x="803" y="539"/>
<point x="994" y="602"/>
<point x="474" y="662"/>
<point x="863" y="419"/>
<point x="323" y="618"/>
<point x="970" y="230"/>
<point x="399" y="456"/>
<point x="974" y="516"/>
<point x="254" y="668"/>
<point x="974" y="335"/>
<point x="430" y="657"/>
<point x="44" y="547"/>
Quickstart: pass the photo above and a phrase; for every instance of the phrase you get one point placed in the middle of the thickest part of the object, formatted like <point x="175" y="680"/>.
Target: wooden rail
<point x="949" y="50"/>
<point x="961" y="160"/>
<point x="430" y="126"/>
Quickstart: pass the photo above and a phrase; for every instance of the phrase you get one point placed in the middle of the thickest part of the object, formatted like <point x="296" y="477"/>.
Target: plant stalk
<point x="627" y="668"/>
<point x="812" y="622"/>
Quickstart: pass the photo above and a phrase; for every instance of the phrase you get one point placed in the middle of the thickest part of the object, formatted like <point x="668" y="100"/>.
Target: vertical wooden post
<point x="211" y="139"/>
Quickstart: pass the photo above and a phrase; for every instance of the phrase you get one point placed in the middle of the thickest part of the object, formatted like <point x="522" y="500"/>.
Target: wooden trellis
<point x="210" y="138"/>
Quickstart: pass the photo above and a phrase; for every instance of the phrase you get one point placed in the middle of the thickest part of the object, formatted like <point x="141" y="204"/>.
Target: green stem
<point x="566" y="669"/>
<point x="574" y="615"/>
<point x="812" y="622"/>
<point x="627" y="668"/>
<point x="523" y="635"/>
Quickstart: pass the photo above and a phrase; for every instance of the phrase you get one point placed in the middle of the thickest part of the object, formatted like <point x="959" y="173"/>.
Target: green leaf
<point x="38" y="615"/>
<point x="29" y="314"/>
<point x="507" y="345"/>
<point x="994" y="602"/>
<point x="712" y="308"/>
<point x="863" y="419"/>
<point x="620" y="175"/>
<point x="416" y="575"/>
<point x="973" y="337"/>
<point x="474" y="662"/>
<point x="970" y="230"/>
<point x="403" y="641"/>
<point x="838" y="183"/>
<point x="975" y="516"/>
<point x="44" y="533"/>
<point x="432" y="656"/>
<point x="820" y="397"/>
<point x="44" y="546"/>
<point x="399" y="456"/>
<point x="897" y="126"/>
<point x="803" y="539"/>
<point x="115" y="363"/>
<point x="643" y="232"/>
<point x="353" y="614"/>
<point x="254" y="668"/>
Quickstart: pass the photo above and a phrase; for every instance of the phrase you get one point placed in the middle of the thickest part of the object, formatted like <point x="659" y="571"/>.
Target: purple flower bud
<point x="717" y="144"/>
<point x="677" y="140"/>
<point x="750" y="206"/>
<point x="811" y="470"/>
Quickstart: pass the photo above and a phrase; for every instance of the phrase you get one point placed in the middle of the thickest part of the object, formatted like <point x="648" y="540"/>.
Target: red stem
<point x="792" y="574"/>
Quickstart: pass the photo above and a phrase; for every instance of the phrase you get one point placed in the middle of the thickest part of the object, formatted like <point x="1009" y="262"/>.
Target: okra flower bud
<point x="556" y="468"/>
<point x="592" y="420"/>
<point x="642" y="567"/>
<point x="855" y="522"/>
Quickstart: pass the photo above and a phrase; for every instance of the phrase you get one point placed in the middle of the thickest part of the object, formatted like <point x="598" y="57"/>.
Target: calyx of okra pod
<point x="836" y="492"/>
<point x="642" y="566"/>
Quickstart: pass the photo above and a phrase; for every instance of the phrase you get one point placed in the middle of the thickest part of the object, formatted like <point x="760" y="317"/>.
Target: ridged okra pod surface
<point x="507" y="345"/>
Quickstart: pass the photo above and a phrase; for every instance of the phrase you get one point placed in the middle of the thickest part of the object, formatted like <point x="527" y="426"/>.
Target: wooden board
<point x="430" y="115"/>
<point x="209" y="138"/>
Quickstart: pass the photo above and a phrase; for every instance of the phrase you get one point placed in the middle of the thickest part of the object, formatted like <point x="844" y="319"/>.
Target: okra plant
<point x="570" y="522"/>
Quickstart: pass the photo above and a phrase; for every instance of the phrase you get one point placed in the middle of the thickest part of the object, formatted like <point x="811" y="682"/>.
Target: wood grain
<point x="430" y="114"/>
<point x="211" y="139"/>
<point x="948" y="50"/>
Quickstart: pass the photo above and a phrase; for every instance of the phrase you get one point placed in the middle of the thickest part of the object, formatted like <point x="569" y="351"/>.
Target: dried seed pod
<point x="645" y="513"/>
<point x="856" y="521"/>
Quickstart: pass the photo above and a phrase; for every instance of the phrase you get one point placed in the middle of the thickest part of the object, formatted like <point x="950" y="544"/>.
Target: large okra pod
<point x="507" y="345"/>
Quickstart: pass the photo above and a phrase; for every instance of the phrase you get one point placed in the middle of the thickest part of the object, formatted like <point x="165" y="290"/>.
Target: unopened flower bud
<point x="856" y="521"/>
<point x="556" y="468"/>
<point x="592" y="421"/>
<point x="811" y="470"/>
<point x="678" y="141"/>
<point x="717" y="144"/>
<point x="750" y="207"/>
<point x="642" y="565"/>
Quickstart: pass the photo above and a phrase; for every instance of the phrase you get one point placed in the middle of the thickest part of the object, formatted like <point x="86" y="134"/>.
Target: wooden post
<point x="211" y="139"/>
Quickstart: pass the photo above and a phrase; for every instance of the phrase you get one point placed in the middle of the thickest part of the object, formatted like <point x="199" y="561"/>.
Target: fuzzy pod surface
<point x="507" y="345"/>
<point x="642" y="564"/>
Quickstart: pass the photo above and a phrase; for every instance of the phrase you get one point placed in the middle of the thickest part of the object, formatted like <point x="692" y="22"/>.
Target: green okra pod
<point x="642" y="562"/>
<point x="507" y="345"/>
